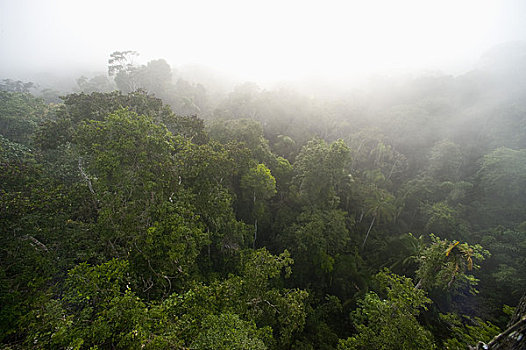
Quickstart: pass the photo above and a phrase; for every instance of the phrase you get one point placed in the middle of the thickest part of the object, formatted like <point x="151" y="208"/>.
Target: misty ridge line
<point x="194" y="90"/>
<point x="504" y="54"/>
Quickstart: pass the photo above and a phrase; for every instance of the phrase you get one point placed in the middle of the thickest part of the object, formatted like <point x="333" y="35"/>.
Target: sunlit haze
<point x="258" y="40"/>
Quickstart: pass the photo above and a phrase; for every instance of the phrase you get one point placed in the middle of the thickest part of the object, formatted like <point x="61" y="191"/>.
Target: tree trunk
<point x="514" y="337"/>
<point x="255" y="233"/>
<point x="392" y="170"/>
<point x="255" y="223"/>
<point x="419" y="284"/>
<point x="369" y="230"/>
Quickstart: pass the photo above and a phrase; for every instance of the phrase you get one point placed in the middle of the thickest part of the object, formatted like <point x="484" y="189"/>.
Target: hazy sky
<point x="259" y="40"/>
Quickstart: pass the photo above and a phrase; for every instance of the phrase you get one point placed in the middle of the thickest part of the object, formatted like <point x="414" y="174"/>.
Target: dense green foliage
<point x="276" y="222"/>
<point x="390" y="323"/>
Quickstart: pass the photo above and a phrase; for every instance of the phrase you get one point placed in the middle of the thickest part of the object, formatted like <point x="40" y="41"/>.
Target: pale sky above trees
<point x="258" y="40"/>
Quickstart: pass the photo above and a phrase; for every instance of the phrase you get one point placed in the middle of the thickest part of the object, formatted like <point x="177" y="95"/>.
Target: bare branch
<point x="85" y="176"/>
<point x="35" y="241"/>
